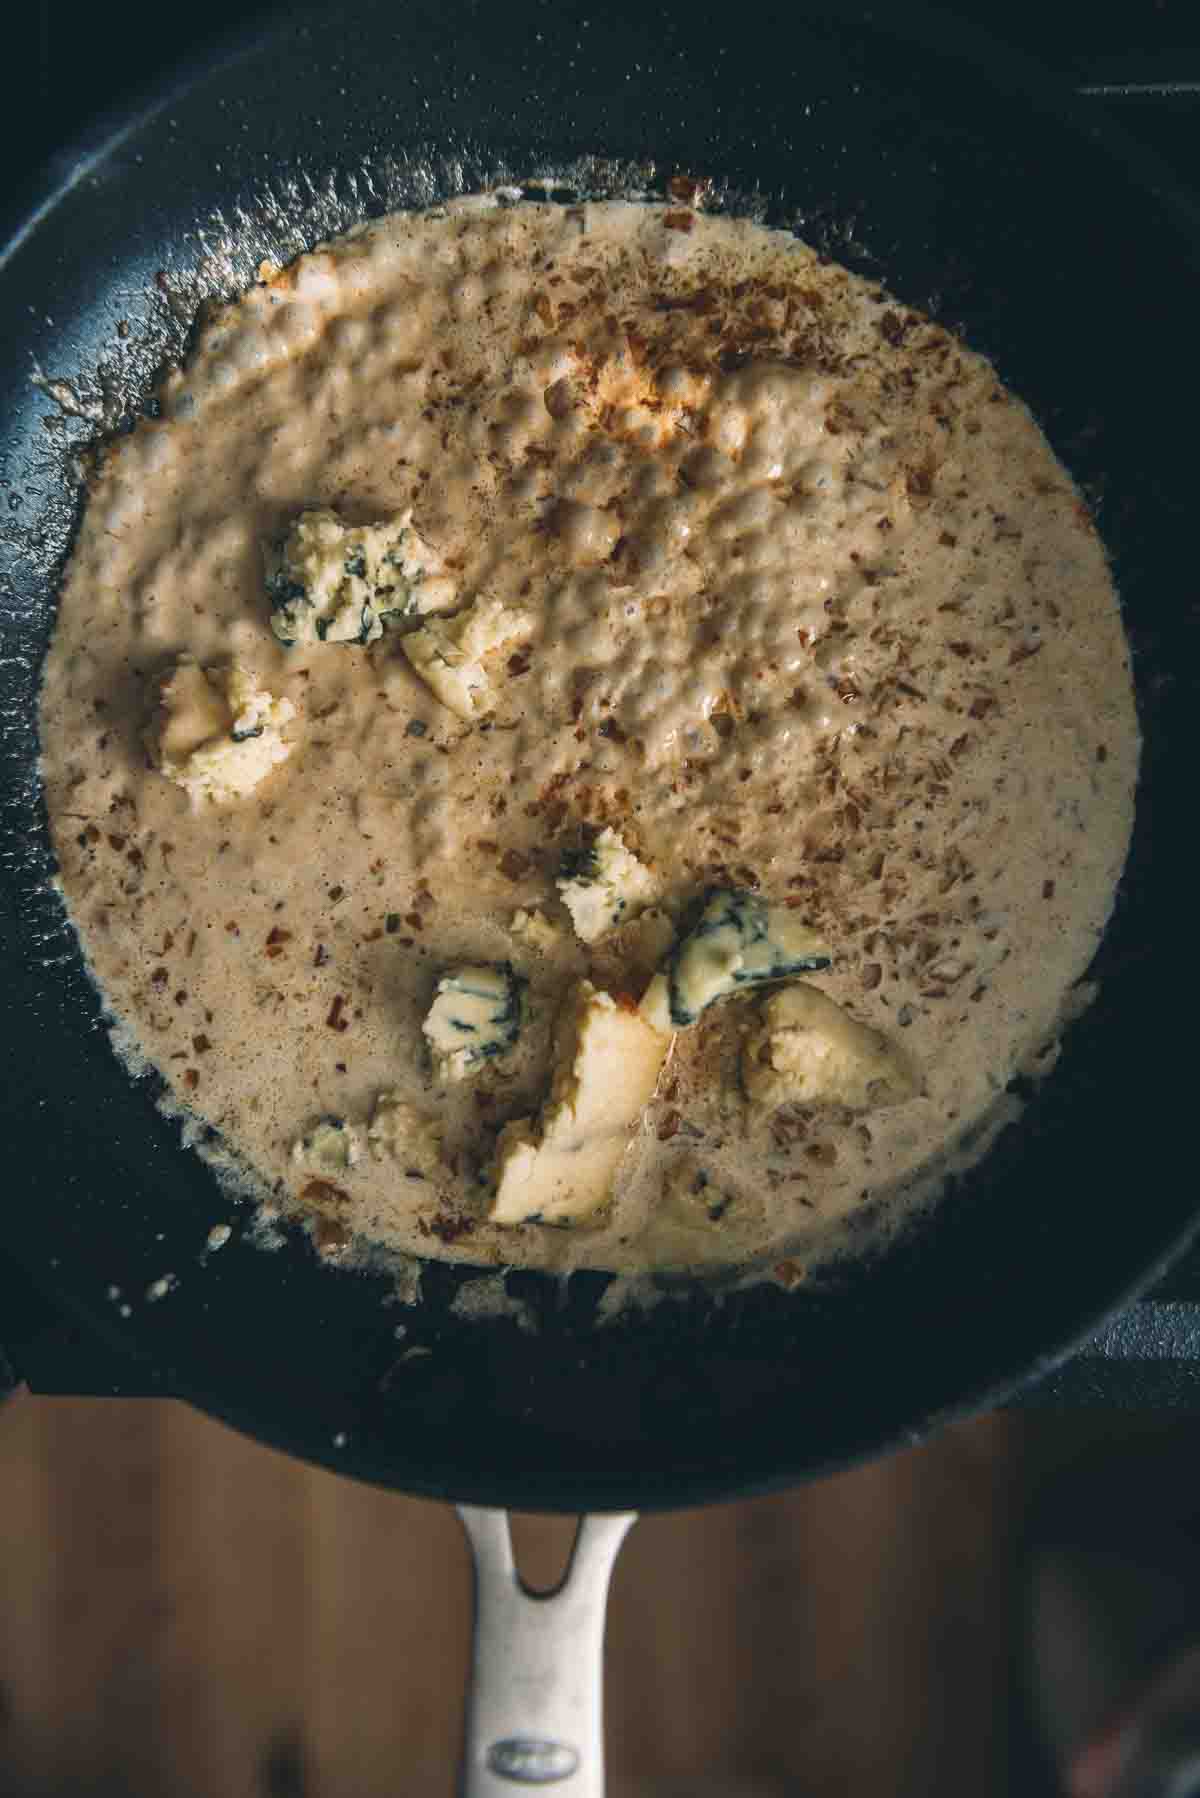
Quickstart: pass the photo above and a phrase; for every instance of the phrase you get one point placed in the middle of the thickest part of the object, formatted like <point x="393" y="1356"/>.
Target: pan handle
<point x="534" y="1713"/>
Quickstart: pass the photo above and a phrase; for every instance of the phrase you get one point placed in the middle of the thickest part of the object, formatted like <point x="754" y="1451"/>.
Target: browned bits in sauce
<point x="823" y="1152"/>
<point x="201" y="1044"/>
<point x="687" y="190"/>
<point x="191" y="1079"/>
<point x="320" y="956"/>
<point x="334" y="1018"/>
<point x="323" y="1195"/>
<point x="788" y="1128"/>
<point x="330" y="1236"/>
<point x="872" y="974"/>
<point x="1047" y="889"/>
<point x="446" y="1226"/>
<point x="514" y="865"/>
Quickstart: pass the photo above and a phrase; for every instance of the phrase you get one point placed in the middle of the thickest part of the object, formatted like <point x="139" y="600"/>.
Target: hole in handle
<point x="542" y="1548"/>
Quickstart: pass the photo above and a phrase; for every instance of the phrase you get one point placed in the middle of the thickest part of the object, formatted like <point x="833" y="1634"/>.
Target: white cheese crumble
<point x="329" y="1147"/>
<point x="689" y="1198"/>
<point x="697" y="1221"/>
<point x="475" y="1017"/>
<point x="606" y="1065"/>
<point x="600" y="882"/>
<point x="215" y="732"/>
<point x="738" y="940"/>
<point x="332" y="582"/>
<point x="448" y="653"/>
<point x="805" y="1050"/>
<point x="400" y="1132"/>
<point x="534" y="929"/>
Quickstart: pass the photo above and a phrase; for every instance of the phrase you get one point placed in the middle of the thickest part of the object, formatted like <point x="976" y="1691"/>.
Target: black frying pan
<point x="968" y="185"/>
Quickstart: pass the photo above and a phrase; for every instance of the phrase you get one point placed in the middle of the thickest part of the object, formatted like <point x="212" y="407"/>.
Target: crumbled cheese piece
<point x="331" y="582"/>
<point x="689" y="1198"/>
<point x="448" y="653"/>
<point x="400" y="1132"/>
<point x="535" y="929"/>
<point x="807" y="1051"/>
<point x="738" y="940"/>
<point x="606" y="1066"/>
<point x="696" y="1222"/>
<point x="475" y="1016"/>
<point x="216" y="732"/>
<point x="330" y="1147"/>
<point x="600" y="882"/>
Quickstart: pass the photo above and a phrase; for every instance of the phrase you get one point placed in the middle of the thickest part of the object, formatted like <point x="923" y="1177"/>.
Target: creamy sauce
<point x="815" y="611"/>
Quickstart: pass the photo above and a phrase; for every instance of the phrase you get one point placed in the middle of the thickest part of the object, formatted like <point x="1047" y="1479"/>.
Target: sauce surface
<point x="816" y="613"/>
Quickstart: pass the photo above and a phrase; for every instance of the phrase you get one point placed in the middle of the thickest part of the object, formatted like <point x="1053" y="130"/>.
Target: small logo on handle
<point x="529" y="1761"/>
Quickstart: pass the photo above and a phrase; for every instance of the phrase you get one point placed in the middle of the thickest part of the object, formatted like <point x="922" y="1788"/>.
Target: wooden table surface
<point x="184" y="1612"/>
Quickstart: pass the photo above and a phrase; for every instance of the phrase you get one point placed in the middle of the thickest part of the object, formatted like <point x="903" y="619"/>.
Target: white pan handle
<point x="534" y="1710"/>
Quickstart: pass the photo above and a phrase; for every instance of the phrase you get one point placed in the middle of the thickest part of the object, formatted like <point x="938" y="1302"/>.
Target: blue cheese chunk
<point x="535" y="931"/>
<point x="475" y="1017"/>
<point x="215" y="732"/>
<point x="561" y="1167"/>
<point x="695" y="1221"/>
<point x="332" y="582"/>
<point x="600" y="883"/>
<point x="449" y="653"/>
<point x="331" y="1146"/>
<point x="402" y="1133"/>
<point x="805" y="1050"/>
<point x="739" y="940"/>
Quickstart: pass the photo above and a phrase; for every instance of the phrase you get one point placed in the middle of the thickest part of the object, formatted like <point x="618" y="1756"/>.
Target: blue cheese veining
<point x="738" y="940"/>
<point x="601" y="883"/>
<point x="475" y="1017"/>
<point x="332" y="582"/>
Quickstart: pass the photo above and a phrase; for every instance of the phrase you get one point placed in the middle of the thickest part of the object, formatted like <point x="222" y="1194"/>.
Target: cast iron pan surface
<point x="921" y="156"/>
